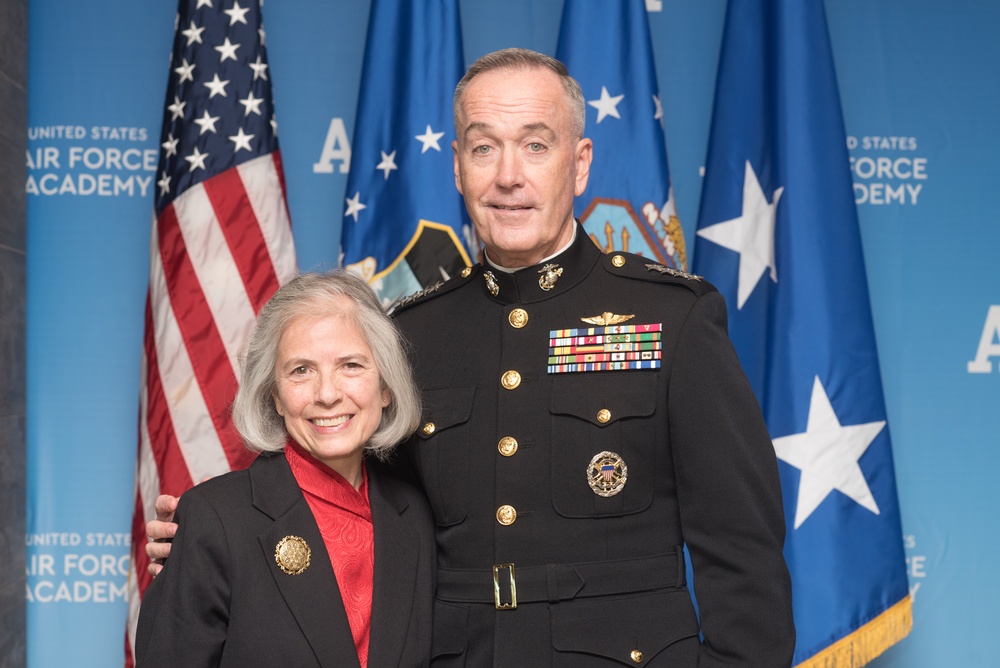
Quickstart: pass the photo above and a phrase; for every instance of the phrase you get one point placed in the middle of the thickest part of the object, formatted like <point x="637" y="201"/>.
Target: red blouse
<point x="344" y="517"/>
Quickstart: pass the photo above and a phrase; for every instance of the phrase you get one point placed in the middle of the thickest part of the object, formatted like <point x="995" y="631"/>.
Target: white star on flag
<point x="216" y="86"/>
<point x="430" y="140"/>
<point x="751" y="235"/>
<point x="170" y="146"/>
<point x="193" y="34"/>
<point x="827" y="453"/>
<point x="237" y="13"/>
<point x="251" y="104"/>
<point x="197" y="159"/>
<point x="164" y="184"/>
<point x="227" y="50"/>
<point x="241" y="140"/>
<point x="259" y="69"/>
<point x="606" y="105"/>
<point x="658" y="114"/>
<point x="388" y="163"/>
<point x="206" y="123"/>
<point x="354" y="206"/>
<point x="176" y="109"/>
<point x="185" y="71"/>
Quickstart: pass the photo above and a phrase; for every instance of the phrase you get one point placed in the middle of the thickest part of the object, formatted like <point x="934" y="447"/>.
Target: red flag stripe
<point x="209" y="357"/>
<point x="217" y="274"/>
<point x="246" y="242"/>
<point x="265" y="186"/>
<point x="195" y="433"/>
<point x="171" y="471"/>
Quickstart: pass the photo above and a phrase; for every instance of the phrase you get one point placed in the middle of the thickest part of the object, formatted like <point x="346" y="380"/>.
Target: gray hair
<point x="313" y="295"/>
<point x="524" y="59"/>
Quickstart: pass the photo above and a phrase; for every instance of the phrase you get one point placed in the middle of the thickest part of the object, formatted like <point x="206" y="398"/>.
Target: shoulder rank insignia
<point x="606" y="318"/>
<point x="409" y="299"/>
<point x="672" y="272"/>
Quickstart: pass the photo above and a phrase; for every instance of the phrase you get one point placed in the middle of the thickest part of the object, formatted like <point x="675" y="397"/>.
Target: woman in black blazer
<point x="309" y="557"/>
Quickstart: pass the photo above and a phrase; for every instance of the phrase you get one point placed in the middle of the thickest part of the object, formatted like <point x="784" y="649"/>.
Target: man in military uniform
<point x="585" y="416"/>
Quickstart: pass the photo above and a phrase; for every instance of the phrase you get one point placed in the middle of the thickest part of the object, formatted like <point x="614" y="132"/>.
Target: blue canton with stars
<point x="218" y="112"/>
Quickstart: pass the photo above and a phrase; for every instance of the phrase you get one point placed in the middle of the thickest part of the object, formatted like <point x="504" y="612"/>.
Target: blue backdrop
<point x="921" y="102"/>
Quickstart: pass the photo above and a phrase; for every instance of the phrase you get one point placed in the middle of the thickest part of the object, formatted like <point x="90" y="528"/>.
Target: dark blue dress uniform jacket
<point x="222" y="600"/>
<point x="599" y="581"/>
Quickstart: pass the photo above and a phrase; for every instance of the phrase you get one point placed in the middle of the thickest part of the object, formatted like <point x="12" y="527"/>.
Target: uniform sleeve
<point x="185" y="612"/>
<point x="730" y="498"/>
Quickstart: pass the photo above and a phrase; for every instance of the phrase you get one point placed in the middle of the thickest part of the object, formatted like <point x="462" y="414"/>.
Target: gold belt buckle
<point x="496" y="587"/>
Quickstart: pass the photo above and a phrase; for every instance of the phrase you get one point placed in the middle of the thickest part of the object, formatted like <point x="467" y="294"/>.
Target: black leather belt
<point x="506" y="585"/>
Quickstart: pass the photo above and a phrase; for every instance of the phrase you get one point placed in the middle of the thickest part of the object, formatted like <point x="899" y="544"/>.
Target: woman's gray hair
<point x="524" y="59"/>
<point x="315" y="295"/>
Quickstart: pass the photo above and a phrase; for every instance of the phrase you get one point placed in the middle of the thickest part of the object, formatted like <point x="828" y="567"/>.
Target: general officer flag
<point x="405" y="225"/>
<point x="628" y="204"/>
<point x="221" y="245"/>
<point x="779" y="236"/>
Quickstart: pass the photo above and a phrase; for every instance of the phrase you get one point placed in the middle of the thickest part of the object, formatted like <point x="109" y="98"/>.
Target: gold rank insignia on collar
<point x="491" y="283"/>
<point x="606" y="318"/>
<point x="292" y="554"/>
<point x="550" y="273"/>
<point x="670" y="271"/>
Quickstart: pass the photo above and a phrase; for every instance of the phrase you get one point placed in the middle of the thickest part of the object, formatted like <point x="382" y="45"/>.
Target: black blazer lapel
<point x="312" y="596"/>
<point x="396" y="552"/>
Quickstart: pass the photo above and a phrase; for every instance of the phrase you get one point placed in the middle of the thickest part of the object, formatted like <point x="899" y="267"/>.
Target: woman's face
<point x="329" y="390"/>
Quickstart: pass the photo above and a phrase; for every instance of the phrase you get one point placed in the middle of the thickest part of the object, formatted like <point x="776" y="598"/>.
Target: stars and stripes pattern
<point x="221" y="245"/>
<point x="779" y="236"/>
<point x="628" y="204"/>
<point x="405" y="226"/>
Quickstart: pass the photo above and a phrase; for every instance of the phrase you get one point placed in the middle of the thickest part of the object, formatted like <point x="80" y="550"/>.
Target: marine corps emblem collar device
<point x="550" y="273"/>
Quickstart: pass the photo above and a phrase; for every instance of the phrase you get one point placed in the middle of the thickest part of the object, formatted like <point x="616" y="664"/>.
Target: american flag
<point x="221" y="245"/>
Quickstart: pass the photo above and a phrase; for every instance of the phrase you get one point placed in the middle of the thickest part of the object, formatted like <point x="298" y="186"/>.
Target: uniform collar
<point x="523" y="286"/>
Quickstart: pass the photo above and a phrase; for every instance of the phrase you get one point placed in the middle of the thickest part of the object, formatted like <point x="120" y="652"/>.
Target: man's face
<point x="518" y="165"/>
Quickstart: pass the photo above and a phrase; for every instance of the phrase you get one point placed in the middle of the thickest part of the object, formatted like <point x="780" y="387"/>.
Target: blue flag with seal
<point x="628" y="204"/>
<point x="405" y="225"/>
<point x="778" y="234"/>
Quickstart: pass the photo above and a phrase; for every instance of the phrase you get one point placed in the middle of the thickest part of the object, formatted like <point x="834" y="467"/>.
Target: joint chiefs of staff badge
<point x="607" y="473"/>
<point x="292" y="555"/>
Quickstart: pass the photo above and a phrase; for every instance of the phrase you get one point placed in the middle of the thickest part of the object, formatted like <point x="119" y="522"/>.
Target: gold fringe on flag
<point x="862" y="646"/>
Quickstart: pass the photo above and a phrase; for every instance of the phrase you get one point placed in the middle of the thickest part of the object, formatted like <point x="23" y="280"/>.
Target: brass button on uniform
<point x="636" y="656"/>
<point x="518" y="318"/>
<point x="466" y="272"/>
<point x="510" y="380"/>
<point x="506" y="515"/>
<point x="618" y="261"/>
<point x="603" y="415"/>
<point x="428" y="428"/>
<point x="507" y="446"/>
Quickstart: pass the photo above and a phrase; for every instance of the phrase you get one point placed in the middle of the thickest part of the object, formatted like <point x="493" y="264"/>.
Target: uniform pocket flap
<point x="616" y="628"/>
<point x="603" y="399"/>
<point x="451" y="629"/>
<point x="444" y="408"/>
